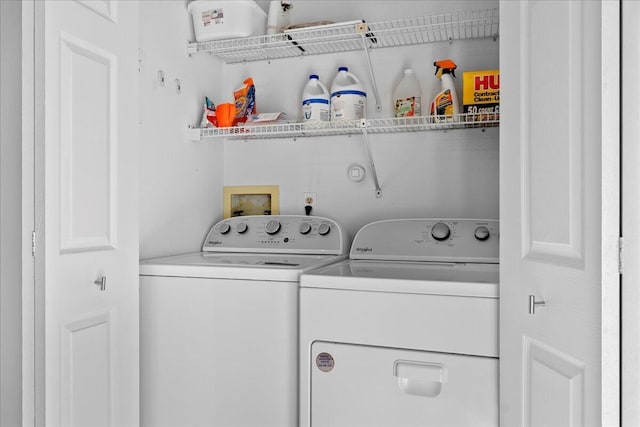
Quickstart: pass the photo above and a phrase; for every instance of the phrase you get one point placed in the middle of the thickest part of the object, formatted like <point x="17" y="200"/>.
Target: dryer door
<point x="357" y="385"/>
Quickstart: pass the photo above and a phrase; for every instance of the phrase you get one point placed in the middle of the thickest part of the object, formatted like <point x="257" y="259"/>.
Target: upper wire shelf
<point x="351" y="127"/>
<point x="474" y="24"/>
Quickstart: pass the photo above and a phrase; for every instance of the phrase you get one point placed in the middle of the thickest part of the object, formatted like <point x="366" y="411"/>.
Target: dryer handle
<point x="420" y="378"/>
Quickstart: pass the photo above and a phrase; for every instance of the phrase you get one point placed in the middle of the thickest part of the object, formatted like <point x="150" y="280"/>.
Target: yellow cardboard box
<point x="481" y="94"/>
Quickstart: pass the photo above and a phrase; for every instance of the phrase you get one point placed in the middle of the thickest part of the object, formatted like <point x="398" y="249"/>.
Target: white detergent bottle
<point x="315" y="101"/>
<point x="446" y="103"/>
<point x="348" y="98"/>
<point x="407" y="96"/>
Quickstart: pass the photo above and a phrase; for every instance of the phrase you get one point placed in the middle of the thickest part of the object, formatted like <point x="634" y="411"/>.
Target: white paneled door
<point x="88" y="130"/>
<point x="559" y="148"/>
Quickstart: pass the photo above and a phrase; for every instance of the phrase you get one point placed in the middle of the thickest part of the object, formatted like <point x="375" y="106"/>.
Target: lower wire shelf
<point x="350" y="127"/>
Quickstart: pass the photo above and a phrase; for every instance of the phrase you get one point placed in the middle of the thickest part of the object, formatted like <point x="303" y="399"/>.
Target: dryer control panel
<point x="440" y="240"/>
<point x="295" y="234"/>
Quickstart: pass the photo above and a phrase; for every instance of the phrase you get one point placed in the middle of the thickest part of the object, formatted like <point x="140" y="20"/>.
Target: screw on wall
<point x="160" y="79"/>
<point x="178" y="86"/>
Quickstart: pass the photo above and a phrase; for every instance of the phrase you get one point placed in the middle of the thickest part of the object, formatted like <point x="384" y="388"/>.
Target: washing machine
<point x="405" y="332"/>
<point x="219" y="328"/>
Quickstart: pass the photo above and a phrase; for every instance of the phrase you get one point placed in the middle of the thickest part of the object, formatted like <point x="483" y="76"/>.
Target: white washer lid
<point x="242" y="266"/>
<point x="458" y="279"/>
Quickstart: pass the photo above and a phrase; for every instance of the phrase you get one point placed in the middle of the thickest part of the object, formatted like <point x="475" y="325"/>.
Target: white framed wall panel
<point x="555" y="387"/>
<point x="105" y="8"/>
<point x="88" y="144"/>
<point x="88" y="371"/>
<point x="546" y="180"/>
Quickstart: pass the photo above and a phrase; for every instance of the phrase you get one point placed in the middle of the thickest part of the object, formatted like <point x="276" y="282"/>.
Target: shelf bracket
<point x="194" y="134"/>
<point x="192" y="48"/>
<point x="367" y="146"/>
<point x="363" y="30"/>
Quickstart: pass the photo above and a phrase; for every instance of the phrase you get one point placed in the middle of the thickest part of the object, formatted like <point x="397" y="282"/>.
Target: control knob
<point x="324" y="229"/>
<point x="242" y="227"/>
<point x="272" y="227"/>
<point x="224" y="228"/>
<point x="481" y="233"/>
<point x="440" y="231"/>
<point x="305" y="228"/>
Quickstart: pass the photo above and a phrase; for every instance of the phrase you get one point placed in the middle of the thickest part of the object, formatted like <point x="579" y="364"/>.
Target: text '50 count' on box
<point x="481" y="94"/>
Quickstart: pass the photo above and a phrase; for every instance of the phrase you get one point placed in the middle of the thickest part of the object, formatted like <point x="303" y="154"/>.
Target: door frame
<point x="13" y="229"/>
<point x="630" y="298"/>
<point x="33" y="285"/>
<point x="611" y="195"/>
<point x="29" y="311"/>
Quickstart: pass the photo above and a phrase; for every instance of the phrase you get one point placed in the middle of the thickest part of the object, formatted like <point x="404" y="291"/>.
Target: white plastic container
<point x="407" y="96"/>
<point x="215" y="20"/>
<point x="315" y="101"/>
<point x="348" y="98"/>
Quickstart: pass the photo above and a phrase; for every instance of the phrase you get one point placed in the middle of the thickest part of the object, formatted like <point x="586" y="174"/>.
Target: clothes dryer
<point x="405" y="332"/>
<point x="219" y="328"/>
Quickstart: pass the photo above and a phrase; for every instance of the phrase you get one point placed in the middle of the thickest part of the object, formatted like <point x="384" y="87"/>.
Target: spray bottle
<point x="446" y="102"/>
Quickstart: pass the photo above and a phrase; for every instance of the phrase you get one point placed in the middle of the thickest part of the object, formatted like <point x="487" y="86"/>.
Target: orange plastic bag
<point x="245" y="101"/>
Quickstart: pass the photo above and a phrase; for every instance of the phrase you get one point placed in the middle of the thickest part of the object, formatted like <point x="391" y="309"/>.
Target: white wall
<point x="180" y="180"/>
<point x="10" y="213"/>
<point x="441" y="174"/>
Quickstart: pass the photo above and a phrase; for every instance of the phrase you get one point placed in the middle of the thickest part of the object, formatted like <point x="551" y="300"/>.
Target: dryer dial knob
<point x="440" y="231"/>
<point x="272" y="227"/>
<point x="224" y="228"/>
<point x="324" y="229"/>
<point x="242" y="228"/>
<point x="481" y="233"/>
<point x="305" y="228"/>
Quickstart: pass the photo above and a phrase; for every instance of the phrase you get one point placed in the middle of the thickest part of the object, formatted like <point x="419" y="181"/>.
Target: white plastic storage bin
<point x="215" y="20"/>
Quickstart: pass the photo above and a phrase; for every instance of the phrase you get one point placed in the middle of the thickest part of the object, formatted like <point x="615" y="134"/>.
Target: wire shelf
<point x="370" y="126"/>
<point x="351" y="36"/>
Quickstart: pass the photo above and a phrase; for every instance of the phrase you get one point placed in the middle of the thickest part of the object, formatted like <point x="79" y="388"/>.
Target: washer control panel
<point x="442" y="240"/>
<point x="277" y="234"/>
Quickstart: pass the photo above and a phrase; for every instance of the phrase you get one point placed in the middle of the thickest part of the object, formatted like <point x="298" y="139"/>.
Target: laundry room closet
<point x="553" y="192"/>
<point x="118" y="168"/>
<point x="428" y="173"/>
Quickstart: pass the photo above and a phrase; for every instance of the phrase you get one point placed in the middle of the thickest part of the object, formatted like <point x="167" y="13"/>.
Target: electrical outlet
<point x="311" y="199"/>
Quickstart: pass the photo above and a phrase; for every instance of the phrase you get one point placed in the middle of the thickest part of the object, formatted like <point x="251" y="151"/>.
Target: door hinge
<point x="620" y="255"/>
<point x="33" y="243"/>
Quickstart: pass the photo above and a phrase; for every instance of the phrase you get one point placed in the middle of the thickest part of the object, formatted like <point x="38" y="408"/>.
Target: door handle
<point x="102" y="282"/>
<point x="533" y="304"/>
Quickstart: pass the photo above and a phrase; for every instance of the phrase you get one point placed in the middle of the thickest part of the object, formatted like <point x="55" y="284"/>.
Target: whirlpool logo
<point x="364" y="250"/>
<point x="214" y="242"/>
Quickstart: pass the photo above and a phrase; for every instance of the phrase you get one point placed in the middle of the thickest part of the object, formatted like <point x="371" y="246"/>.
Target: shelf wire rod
<point x="363" y="35"/>
<point x="367" y="146"/>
